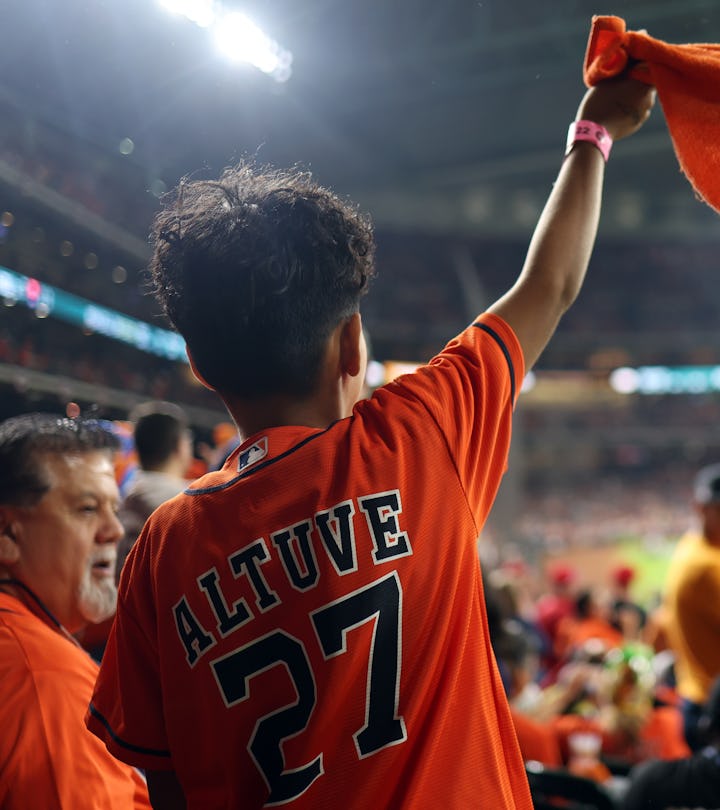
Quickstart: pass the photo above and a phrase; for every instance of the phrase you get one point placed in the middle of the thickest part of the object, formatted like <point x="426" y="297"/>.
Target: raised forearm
<point x="562" y="243"/>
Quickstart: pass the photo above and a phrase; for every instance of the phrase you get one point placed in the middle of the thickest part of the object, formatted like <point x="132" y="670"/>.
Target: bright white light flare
<point x="236" y="36"/>
<point x="201" y="12"/>
<point x="241" y="40"/>
<point x="625" y="380"/>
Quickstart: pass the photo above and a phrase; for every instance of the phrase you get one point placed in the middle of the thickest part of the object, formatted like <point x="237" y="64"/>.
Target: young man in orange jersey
<point x="306" y="627"/>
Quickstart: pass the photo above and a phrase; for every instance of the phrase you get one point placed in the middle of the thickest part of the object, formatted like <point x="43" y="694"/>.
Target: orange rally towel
<point x="687" y="78"/>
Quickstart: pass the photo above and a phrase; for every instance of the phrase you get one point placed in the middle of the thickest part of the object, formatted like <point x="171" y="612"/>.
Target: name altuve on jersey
<point x="295" y="547"/>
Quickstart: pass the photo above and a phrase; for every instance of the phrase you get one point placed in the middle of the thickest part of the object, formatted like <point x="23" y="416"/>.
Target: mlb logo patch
<point x="253" y="453"/>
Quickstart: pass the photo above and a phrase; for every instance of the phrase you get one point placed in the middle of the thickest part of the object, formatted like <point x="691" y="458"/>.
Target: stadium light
<point x="625" y="380"/>
<point x="236" y="36"/>
<point x="241" y="40"/>
<point x="201" y="12"/>
<point x="655" y="380"/>
<point x="375" y="374"/>
<point x="46" y="300"/>
<point x="529" y="382"/>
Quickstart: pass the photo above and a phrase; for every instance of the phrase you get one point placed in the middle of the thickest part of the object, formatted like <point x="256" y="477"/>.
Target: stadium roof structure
<point x="441" y="116"/>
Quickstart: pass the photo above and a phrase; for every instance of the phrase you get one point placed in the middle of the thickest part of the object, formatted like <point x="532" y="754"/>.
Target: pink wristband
<point x="592" y="132"/>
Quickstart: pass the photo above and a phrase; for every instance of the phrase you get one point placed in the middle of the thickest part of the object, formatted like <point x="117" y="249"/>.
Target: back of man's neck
<point x="253" y="417"/>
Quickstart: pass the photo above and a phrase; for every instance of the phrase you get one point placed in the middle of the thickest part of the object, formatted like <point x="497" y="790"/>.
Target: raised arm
<point x="561" y="246"/>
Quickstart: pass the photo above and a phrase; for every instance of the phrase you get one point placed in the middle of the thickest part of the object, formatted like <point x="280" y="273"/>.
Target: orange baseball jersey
<point x="306" y="626"/>
<point x="47" y="757"/>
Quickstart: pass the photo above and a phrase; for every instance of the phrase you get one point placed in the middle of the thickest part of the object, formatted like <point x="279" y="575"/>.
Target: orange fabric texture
<point x="47" y="757"/>
<point x="307" y="625"/>
<point x="687" y="78"/>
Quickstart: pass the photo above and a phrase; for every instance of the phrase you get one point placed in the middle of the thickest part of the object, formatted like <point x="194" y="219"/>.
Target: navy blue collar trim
<point x="261" y="466"/>
<point x="265" y="464"/>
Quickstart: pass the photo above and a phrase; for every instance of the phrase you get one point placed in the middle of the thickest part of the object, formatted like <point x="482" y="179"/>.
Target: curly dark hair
<point x="26" y="438"/>
<point x="255" y="270"/>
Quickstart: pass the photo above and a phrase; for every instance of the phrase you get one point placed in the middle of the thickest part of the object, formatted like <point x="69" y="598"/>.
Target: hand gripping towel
<point x="687" y="79"/>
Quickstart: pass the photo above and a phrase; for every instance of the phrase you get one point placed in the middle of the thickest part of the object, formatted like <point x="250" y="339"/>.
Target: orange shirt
<point x="307" y="625"/>
<point x="538" y="741"/>
<point x="661" y="736"/>
<point x="47" y="757"/>
<point x="572" y="633"/>
<point x="692" y="604"/>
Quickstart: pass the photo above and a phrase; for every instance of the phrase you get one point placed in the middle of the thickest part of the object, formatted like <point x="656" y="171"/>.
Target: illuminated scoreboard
<point x="46" y="300"/>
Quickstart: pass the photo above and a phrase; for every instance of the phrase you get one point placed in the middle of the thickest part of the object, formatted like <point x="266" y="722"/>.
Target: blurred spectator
<point x="506" y="584"/>
<point x="610" y="693"/>
<point x="655" y="632"/>
<point x="692" y="599"/>
<point x="516" y="650"/>
<point x="225" y="438"/>
<point x="517" y="660"/>
<point x="163" y="443"/>
<point x="626" y="615"/>
<point x="587" y="622"/>
<point x="58" y="533"/>
<point x="553" y="607"/>
<point x="692" y="781"/>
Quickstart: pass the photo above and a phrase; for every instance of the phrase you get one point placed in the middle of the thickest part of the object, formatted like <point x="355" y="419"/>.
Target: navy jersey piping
<point x="253" y="470"/>
<point x="130" y="747"/>
<point x="493" y="334"/>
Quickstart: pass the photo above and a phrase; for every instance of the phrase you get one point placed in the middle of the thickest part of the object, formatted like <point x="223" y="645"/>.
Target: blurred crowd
<point x="579" y="659"/>
<point x="50" y="346"/>
<point x="591" y="676"/>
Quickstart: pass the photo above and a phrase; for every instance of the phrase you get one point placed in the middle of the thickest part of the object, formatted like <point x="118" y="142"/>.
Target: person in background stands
<point x="58" y="534"/>
<point x="626" y="614"/>
<point x="225" y="439"/>
<point x="550" y="611"/>
<point x="588" y="621"/>
<point x="164" y="448"/>
<point x="692" y="603"/>
<point x="692" y="781"/>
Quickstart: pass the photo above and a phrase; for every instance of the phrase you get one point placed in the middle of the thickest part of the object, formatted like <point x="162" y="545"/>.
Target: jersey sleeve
<point x="469" y="390"/>
<point x="126" y="710"/>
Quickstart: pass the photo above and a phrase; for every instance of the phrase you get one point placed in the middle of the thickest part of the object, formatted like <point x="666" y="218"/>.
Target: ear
<point x="9" y="529"/>
<point x="351" y="335"/>
<point x="198" y="376"/>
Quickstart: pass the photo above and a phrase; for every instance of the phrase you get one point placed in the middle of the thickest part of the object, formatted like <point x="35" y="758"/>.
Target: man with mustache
<point x="58" y="536"/>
